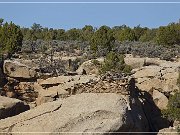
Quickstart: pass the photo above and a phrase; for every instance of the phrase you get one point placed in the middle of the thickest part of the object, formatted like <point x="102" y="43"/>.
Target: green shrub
<point x="178" y="129"/>
<point x="95" y="62"/>
<point x="115" y="63"/>
<point x="10" y="38"/>
<point x="127" y="69"/>
<point x="173" y="109"/>
<point x="178" y="80"/>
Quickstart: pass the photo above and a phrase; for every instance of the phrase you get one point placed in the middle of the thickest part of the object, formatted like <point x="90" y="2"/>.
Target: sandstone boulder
<point x="20" y="90"/>
<point x="148" y="71"/>
<point x="153" y="61"/>
<point x="137" y="62"/>
<point x="134" y="62"/>
<point x="80" y="113"/>
<point x="10" y="107"/>
<point x="16" y="69"/>
<point x="160" y="99"/>
<point x="163" y="77"/>
<point x="147" y="84"/>
<point x="90" y="67"/>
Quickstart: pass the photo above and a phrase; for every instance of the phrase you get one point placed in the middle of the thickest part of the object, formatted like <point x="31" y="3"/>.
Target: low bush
<point x="173" y="109"/>
<point x="178" y="81"/>
<point x="95" y="62"/>
<point x="115" y="63"/>
<point x="127" y="69"/>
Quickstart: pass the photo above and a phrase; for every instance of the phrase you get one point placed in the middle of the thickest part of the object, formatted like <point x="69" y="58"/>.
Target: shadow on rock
<point x="3" y="80"/>
<point x="152" y="113"/>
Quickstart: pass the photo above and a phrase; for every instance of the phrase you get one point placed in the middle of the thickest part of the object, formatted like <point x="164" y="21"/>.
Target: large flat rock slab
<point x="80" y="113"/>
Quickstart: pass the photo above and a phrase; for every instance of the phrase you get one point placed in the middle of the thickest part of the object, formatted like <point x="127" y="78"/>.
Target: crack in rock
<point x="11" y="126"/>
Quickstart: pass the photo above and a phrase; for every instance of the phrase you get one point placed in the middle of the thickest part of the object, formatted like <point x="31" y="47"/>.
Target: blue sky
<point x="77" y="15"/>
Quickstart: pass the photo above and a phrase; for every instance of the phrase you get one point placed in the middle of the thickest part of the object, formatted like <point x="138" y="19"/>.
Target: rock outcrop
<point x="20" y="80"/>
<point x="21" y="90"/>
<point x="16" y="69"/>
<point x="10" y="107"/>
<point x="55" y="87"/>
<point x="134" y="62"/>
<point x="160" y="99"/>
<point x="109" y="83"/>
<point x="80" y="113"/>
<point x="87" y="102"/>
<point x="158" y="80"/>
<point x="163" y="78"/>
<point x="138" y="62"/>
<point x="141" y="103"/>
<point x="90" y="67"/>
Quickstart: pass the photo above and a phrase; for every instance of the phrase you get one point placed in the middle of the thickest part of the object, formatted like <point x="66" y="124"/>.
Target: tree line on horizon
<point x="11" y="35"/>
<point x="105" y="36"/>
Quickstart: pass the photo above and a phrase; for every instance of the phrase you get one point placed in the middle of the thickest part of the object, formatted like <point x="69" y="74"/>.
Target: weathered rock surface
<point x="81" y="113"/>
<point x="55" y="87"/>
<point x="148" y="72"/>
<point x="20" y="90"/>
<point x="20" y="75"/>
<point x="124" y="86"/>
<point x="163" y="77"/>
<point x="159" y="81"/>
<point x="138" y="62"/>
<point x="65" y="79"/>
<point x="107" y="84"/>
<point x="134" y="62"/>
<point x="168" y="131"/>
<point x="16" y="69"/>
<point x="90" y="67"/>
<point x="86" y="103"/>
<point x="10" y="107"/>
<point x="50" y="94"/>
<point x="160" y="99"/>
